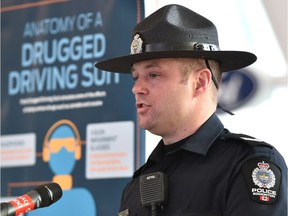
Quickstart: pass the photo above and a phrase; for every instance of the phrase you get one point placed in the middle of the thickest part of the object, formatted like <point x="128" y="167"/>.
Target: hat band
<point x="195" y="46"/>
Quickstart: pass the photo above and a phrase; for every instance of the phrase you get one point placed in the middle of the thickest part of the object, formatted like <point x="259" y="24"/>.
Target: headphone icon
<point x="46" y="149"/>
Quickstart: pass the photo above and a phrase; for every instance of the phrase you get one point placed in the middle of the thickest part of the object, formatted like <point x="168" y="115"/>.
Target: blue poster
<point x="62" y="119"/>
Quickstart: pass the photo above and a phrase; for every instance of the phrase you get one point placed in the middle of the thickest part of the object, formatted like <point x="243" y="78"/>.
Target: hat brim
<point x="229" y="60"/>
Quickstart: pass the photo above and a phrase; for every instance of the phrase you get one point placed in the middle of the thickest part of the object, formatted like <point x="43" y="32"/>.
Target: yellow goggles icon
<point x="56" y="144"/>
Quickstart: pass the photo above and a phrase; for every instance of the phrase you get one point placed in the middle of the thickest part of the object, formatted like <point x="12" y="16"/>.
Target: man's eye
<point x="152" y="75"/>
<point x="135" y="79"/>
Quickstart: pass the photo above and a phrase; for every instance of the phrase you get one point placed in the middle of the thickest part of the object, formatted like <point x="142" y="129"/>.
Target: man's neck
<point x="187" y="129"/>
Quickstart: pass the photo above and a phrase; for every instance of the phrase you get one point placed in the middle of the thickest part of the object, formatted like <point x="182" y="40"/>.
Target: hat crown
<point x="174" y="31"/>
<point x="176" y="24"/>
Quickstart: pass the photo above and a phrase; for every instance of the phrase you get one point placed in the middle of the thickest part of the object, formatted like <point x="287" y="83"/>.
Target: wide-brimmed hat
<point x="175" y="31"/>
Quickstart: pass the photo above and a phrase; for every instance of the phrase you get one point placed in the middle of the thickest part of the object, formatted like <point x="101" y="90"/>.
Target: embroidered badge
<point x="136" y="45"/>
<point x="263" y="179"/>
<point x="262" y="176"/>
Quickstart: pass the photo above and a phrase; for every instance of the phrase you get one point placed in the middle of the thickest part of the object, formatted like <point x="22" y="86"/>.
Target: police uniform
<point x="212" y="172"/>
<point x="215" y="173"/>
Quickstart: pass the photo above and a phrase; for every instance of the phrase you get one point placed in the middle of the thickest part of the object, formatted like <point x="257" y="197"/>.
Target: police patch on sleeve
<point x="263" y="179"/>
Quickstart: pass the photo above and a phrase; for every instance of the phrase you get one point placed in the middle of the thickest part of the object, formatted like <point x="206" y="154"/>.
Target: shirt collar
<point x="200" y="141"/>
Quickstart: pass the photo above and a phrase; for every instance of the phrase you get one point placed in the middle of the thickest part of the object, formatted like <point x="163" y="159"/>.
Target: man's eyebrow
<point x="147" y="66"/>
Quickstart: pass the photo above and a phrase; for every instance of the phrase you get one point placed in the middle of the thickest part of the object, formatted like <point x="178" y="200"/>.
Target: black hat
<point x="175" y="31"/>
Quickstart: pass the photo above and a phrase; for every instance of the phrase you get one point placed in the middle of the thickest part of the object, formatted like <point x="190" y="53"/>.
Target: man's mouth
<point x="141" y="105"/>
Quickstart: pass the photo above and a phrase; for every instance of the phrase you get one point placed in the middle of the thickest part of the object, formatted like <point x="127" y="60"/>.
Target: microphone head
<point x="154" y="189"/>
<point x="49" y="193"/>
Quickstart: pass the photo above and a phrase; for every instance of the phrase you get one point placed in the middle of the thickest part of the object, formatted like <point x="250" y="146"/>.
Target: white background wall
<point x="261" y="28"/>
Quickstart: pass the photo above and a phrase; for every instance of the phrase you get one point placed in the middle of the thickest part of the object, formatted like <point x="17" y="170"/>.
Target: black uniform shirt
<point x="214" y="172"/>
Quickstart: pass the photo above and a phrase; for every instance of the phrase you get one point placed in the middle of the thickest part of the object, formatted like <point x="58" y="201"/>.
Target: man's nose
<point x="140" y="87"/>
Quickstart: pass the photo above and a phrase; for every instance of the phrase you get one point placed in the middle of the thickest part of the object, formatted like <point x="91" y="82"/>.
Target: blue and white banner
<point x="63" y="120"/>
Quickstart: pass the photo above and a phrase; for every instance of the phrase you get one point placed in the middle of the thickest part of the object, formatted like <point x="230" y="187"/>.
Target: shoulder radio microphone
<point x="42" y="196"/>
<point x="154" y="190"/>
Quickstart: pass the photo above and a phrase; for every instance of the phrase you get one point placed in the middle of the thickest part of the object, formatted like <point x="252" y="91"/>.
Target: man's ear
<point x="203" y="80"/>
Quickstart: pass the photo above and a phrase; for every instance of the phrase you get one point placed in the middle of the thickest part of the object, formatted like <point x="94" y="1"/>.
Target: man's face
<point x="163" y="101"/>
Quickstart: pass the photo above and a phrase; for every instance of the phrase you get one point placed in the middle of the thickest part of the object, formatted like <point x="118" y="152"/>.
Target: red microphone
<point x="42" y="196"/>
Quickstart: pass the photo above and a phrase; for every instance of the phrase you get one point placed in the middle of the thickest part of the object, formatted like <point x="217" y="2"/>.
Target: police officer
<point x="199" y="168"/>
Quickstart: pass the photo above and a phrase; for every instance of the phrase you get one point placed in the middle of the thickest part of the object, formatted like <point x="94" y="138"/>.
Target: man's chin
<point x="144" y="125"/>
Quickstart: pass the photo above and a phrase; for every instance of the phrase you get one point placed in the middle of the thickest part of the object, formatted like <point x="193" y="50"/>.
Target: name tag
<point x="124" y="213"/>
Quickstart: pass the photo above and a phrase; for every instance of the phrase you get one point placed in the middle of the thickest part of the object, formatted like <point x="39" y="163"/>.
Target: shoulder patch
<point x="263" y="180"/>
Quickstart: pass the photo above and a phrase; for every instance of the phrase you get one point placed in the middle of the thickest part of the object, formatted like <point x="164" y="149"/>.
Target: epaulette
<point x="252" y="141"/>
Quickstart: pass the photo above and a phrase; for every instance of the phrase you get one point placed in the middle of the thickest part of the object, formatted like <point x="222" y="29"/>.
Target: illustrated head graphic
<point x="61" y="149"/>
